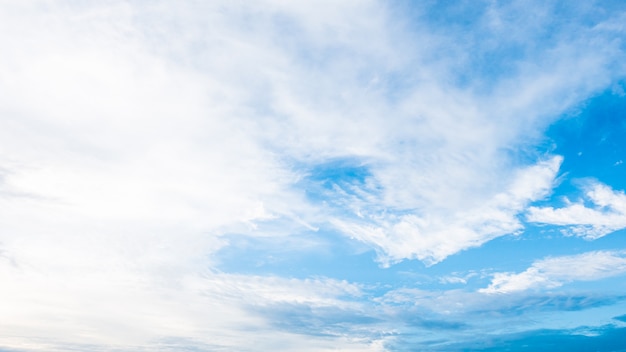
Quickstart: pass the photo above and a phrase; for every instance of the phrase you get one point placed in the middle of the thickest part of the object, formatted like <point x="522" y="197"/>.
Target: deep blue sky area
<point x="609" y="339"/>
<point x="312" y="176"/>
<point x="591" y="139"/>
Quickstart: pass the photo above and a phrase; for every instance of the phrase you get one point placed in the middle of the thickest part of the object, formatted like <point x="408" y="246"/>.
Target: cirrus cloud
<point x="608" y="214"/>
<point x="556" y="271"/>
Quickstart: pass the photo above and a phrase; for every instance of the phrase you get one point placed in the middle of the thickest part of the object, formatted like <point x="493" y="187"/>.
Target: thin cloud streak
<point x="554" y="272"/>
<point x="608" y="214"/>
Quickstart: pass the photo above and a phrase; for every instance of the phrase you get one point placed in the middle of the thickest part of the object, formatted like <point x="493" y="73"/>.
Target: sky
<point x="312" y="175"/>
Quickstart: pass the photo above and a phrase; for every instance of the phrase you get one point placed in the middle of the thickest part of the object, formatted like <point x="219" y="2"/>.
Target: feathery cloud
<point x="556" y="271"/>
<point x="607" y="215"/>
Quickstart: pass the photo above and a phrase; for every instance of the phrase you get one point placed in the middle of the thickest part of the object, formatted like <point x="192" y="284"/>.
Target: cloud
<point x="135" y="136"/>
<point x="554" y="272"/>
<point x="606" y="338"/>
<point x="607" y="215"/>
<point x="124" y="309"/>
<point x="154" y="113"/>
<point x="433" y="237"/>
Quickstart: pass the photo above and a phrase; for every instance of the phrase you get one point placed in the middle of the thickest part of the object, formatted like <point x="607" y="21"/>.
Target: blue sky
<point x="312" y="176"/>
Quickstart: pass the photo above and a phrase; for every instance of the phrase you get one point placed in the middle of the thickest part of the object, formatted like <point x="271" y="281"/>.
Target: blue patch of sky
<point x="338" y="260"/>
<point x="532" y="335"/>
<point x="609" y="339"/>
<point x="592" y="142"/>
<point x="516" y="253"/>
<point x="341" y="185"/>
<point x="345" y="170"/>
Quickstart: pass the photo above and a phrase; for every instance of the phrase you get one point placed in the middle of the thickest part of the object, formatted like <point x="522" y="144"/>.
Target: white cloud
<point x="554" y="272"/>
<point x="436" y="235"/>
<point x="182" y="114"/>
<point x="127" y="148"/>
<point x="607" y="215"/>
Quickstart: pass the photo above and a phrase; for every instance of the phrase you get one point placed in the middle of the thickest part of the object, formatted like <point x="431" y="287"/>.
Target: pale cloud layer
<point x="121" y="307"/>
<point x="607" y="215"/>
<point x="554" y="272"/>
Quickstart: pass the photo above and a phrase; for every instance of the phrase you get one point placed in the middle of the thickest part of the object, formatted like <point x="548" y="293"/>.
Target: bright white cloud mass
<point x="311" y="176"/>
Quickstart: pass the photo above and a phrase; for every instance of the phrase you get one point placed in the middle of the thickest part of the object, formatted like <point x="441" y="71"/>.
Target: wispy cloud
<point x="434" y="236"/>
<point x="607" y="215"/>
<point x="124" y="308"/>
<point x="554" y="272"/>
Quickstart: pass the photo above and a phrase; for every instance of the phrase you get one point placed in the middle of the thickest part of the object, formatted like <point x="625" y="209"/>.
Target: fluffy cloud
<point x="554" y="272"/>
<point x="607" y="215"/>
<point x="434" y="236"/>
